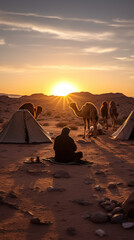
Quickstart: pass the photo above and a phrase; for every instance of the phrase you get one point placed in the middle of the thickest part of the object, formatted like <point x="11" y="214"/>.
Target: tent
<point x="126" y="130"/>
<point x="23" y="128"/>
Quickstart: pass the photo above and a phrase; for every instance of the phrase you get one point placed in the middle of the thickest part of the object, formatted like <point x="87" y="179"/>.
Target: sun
<point x="63" y="89"/>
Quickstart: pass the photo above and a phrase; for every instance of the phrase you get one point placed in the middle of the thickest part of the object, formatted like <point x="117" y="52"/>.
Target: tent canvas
<point x="23" y="128"/>
<point x="126" y="130"/>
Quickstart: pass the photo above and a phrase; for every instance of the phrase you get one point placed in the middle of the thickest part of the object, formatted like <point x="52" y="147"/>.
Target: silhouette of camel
<point x="89" y="113"/>
<point x="104" y="113"/>
<point x="113" y="113"/>
<point x="33" y="110"/>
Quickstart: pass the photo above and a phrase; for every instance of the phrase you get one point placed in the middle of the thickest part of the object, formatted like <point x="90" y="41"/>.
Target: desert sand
<point x="32" y="192"/>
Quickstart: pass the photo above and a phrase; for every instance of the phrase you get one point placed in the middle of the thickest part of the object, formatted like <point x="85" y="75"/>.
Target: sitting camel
<point x="89" y="113"/>
<point x="104" y="113"/>
<point x="113" y="113"/>
<point x="30" y="107"/>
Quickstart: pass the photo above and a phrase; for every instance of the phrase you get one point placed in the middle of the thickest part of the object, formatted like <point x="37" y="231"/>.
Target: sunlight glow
<point x="63" y="89"/>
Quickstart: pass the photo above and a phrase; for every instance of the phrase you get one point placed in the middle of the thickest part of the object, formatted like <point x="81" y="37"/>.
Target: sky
<point x="86" y="43"/>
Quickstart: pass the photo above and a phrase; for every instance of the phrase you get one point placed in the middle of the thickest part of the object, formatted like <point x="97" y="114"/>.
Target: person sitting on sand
<point x="65" y="148"/>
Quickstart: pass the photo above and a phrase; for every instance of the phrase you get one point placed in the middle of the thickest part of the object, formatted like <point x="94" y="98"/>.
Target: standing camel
<point x="30" y="107"/>
<point x="89" y="113"/>
<point x="104" y="113"/>
<point x="113" y="113"/>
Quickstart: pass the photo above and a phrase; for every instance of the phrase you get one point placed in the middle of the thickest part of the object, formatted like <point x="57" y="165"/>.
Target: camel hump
<point x="29" y="106"/>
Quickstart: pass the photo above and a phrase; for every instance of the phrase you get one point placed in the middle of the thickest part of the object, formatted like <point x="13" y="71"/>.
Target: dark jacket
<point x="65" y="148"/>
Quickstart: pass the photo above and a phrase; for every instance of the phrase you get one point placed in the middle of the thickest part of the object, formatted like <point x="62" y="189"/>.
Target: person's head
<point x="65" y="131"/>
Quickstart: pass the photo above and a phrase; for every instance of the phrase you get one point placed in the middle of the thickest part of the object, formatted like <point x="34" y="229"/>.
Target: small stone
<point x="55" y="189"/>
<point x="11" y="194"/>
<point x="99" y="173"/>
<point x="82" y="202"/>
<point x="61" y="174"/>
<point x="87" y="216"/>
<point x="100" y="232"/>
<point x="112" y="185"/>
<point x="99" y="217"/>
<point x="117" y="210"/>
<point x="38" y="221"/>
<point x="128" y="225"/>
<point x="117" y="218"/>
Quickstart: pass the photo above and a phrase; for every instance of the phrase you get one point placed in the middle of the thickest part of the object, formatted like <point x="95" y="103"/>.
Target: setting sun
<point x="63" y="89"/>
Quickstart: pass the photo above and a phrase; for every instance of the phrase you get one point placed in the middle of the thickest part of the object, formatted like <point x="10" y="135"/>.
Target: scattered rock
<point x="55" y="189"/>
<point x="117" y="210"/>
<point x="82" y="202"/>
<point x="61" y="174"/>
<point x="71" y="231"/>
<point x="99" y="217"/>
<point x="38" y="221"/>
<point x="112" y="185"/>
<point x="128" y="225"/>
<point x="100" y="232"/>
<point x="12" y="205"/>
<point x="99" y="173"/>
<point x="11" y="194"/>
<point x="128" y="206"/>
<point x="87" y="215"/>
<point x="118" y="218"/>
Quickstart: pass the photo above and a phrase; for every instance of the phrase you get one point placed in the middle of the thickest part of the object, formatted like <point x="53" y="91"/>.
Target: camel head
<point x="72" y="105"/>
<point x="38" y="111"/>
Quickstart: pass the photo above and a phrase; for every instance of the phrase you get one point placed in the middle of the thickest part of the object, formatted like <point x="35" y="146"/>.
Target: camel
<point x="33" y="110"/>
<point x="113" y="113"/>
<point x="104" y="113"/>
<point x="89" y="113"/>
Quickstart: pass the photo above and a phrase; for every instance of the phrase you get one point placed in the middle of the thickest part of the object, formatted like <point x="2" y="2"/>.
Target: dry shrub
<point x="61" y="124"/>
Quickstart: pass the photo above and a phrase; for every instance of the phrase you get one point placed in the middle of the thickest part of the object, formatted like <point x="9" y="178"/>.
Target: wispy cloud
<point x="125" y="59"/>
<point x="99" y="50"/>
<point x="43" y="68"/>
<point x="26" y="24"/>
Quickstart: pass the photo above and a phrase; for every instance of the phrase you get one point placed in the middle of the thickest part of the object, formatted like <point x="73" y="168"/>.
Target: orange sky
<point x="44" y="44"/>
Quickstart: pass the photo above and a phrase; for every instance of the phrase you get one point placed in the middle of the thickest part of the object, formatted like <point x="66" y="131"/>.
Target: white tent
<point x="126" y="130"/>
<point x="23" y="128"/>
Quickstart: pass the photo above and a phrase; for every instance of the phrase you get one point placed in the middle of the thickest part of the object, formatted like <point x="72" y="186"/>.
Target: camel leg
<point x="88" y="123"/>
<point x="84" y="119"/>
<point x="95" y="128"/>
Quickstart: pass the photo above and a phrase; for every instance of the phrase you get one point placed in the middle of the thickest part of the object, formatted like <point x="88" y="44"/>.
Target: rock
<point x="38" y="221"/>
<point x="117" y="210"/>
<point x="100" y="232"/>
<point x="87" y="216"/>
<point x="112" y="185"/>
<point x="118" y="218"/>
<point x="128" y="206"/>
<point x="99" y="173"/>
<point x="71" y="231"/>
<point x="11" y="194"/>
<point x="82" y="202"/>
<point x="128" y="225"/>
<point x="99" y="217"/>
<point x="55" y="189"/>
<point x="130" y="184"/>
<point x="61" y="174"/>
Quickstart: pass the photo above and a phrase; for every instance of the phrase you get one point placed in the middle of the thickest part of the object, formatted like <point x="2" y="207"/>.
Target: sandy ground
<point x="113" y="161"/>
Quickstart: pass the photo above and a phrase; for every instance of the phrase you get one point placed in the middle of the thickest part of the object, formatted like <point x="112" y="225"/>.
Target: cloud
<point x="99" y="50"/>
<point x="122" y="23"/>
<point x="26" y="24"/>
<point x="43" y="68"/>
<point x="125" y="59"/>
<point x="2" y="41"/>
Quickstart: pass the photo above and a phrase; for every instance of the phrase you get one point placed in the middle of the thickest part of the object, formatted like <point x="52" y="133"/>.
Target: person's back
<point x="64" y="147"/>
